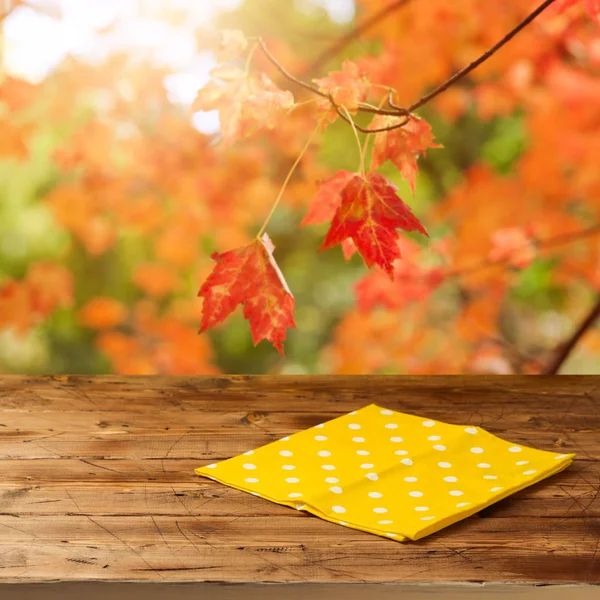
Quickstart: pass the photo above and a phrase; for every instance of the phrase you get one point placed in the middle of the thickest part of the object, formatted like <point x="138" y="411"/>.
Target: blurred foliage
<point x="158" y="198"/>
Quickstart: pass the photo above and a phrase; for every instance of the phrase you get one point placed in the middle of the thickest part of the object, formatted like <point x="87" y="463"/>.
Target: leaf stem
<point x="287" y="179"/>
<point x="361" y="152"/>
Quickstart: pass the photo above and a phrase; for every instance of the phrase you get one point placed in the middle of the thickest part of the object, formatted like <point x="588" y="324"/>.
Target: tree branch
<point x="564" y="350"/>
<point x="338" y="46"/>
<point x="472" y="66"/>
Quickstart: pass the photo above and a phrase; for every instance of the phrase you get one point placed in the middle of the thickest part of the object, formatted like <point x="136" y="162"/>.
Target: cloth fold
<point x="393" y="474"/>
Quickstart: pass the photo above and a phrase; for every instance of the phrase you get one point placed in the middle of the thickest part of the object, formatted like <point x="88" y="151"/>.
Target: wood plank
<point x="294" y="548"/>
<point x="98" y="484"/>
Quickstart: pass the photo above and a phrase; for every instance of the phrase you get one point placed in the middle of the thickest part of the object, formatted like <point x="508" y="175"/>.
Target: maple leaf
<point x="369" y="213"/>
<point x="249" y="276"/>
<point x="402" y="146"/>
<point x="246" y="103"/>
<point x="326" y="202"/>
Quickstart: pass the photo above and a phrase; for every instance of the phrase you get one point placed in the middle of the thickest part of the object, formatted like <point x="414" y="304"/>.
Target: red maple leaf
<point x="249" y="276"/>
<point x="369" y="213"/>
<point x="246" y="103"/>
<point x="402" y="146"/>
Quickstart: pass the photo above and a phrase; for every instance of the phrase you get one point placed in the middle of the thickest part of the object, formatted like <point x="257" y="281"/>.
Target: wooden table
<point x="98" y="486"/>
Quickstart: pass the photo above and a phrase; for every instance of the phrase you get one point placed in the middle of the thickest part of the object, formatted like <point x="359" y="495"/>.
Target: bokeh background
<point x="113" y="194"/>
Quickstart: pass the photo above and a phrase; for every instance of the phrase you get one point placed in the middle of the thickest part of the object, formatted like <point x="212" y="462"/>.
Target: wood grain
<point x="98" y="484"/>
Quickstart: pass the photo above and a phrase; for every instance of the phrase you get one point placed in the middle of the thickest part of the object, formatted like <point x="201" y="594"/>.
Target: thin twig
<point x="539" y="244"/>
<point x="340" y="44"/>
<point x="466" y="70"/>
<point x="564" y="350"/>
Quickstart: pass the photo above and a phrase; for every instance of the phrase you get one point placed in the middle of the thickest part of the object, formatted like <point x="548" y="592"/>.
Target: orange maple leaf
<point x="402" y="146"/>
<point x="246" y="103"/>
<point x="369" y="213"/>
<point x="249" y="276"/>
<point x="347" y="87"/>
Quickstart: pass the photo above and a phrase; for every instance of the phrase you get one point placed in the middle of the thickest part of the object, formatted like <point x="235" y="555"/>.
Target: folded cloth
<point x="388" y="473"/>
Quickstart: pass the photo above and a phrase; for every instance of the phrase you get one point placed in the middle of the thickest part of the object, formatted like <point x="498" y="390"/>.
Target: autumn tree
<point x="447" y="149"/>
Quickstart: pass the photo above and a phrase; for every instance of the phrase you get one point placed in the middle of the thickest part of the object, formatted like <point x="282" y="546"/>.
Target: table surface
<point x="98" y="483"/>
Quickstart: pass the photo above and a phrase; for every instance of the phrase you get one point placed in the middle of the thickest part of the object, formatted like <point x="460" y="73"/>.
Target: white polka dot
<point x="285" y="439"/>
<point x="320" y="426"/>
<point x="249" y="453"/>
<point x="427" y="518"/>
<point x="338" y="509"/>
<point x="251" y="480"/>
<point x="415" y="494"/>
<point x="471" y="430"/>
<point x="450" y="479"/>
<point x="530" y="472"/>
<point x="522" y="462"/>
<point x="401" y="452"/>
<point x="328" y="467"/>
<point x="439" y="447"/>
<point x="421" y="508"/>
<point x="559" y="456"/>
<point x="336" y="489"/>
<point x="255" y="494"/>
<point x="396" y="440"/>
<point x="372" y="476"/>
<point x="358" y="440"/>
<point x="484" y="465"/>
<point x="249" y="466"/>
<point x="391" y="426"/>
<point x="320" y="438"/>
<point x="380" y="510"/>
<point x="496" y="489"/>
<point x="286" y="453"/>
<point x="392" y="534"/>
<point x="363" y="452"/>
<point x="342" y="523"/>
<point x="353" y="412"/>
<point x="461" y="504"/>
<point x="375" y="495"/>
<point x="456" y="493"/>
<point x="294" y="495"/>
<point x="477" y="450"/>
<point x="385" y="411"/>
<point x="384" y="522"/>
<point x="410" y="479"/>
<point x="354" y="426"/>
<point x="428" y="423"/>
<point x="213" y="466"/>
<point x="332" y="480"/>
<point x="434" y="438"/>
<point x="324" y="453"/>
<point x="515" y="449"/>
<point x="490" y="477"/>
<point x="292" y="480"/>
<point x="407" y="461"/>
<point x="300" y="506"/>
<point x="288" y="467"/>
<point x="367" y="466"/>
<point x="444" y="465"/>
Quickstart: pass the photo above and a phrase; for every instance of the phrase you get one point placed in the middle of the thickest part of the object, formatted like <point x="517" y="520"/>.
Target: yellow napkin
<point x="388" y="473"/>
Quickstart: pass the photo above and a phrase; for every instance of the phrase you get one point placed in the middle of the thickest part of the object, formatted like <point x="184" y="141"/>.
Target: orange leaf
<point x="249" y="276"/>
<point x="369" y="213"/>
<point x="403" y="145"/>
<point x="347" y="87"/>
<point x="246" y="103"/>
<point x="327" y="199"/>
<point x="102" y="313"/>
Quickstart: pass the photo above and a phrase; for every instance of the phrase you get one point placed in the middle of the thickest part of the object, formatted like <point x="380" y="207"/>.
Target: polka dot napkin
<point x="388" y="473"/>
